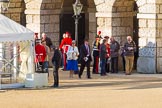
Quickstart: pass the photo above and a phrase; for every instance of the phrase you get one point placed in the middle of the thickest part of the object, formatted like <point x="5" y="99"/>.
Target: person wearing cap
<point x="108" y="54"/>
<point x="85" y="58"/>
<point x="47" y="39"/>
<point x="72" y="57"/>
<point x="96" y="47"/>
<point x="65" y="44"/>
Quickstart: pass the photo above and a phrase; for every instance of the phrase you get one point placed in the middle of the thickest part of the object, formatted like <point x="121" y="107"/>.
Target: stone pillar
<point x="122" y="20"/>
<point x="159" y="35"/>
<point x="147" y="60"/>
<point x="104" y="16"/>
<point x="104" y="23"/>
<point x="92" y="27"/>
<point x="115" y="18"/>
<point x="33" y="15"/>
<point x="43" y="16"/>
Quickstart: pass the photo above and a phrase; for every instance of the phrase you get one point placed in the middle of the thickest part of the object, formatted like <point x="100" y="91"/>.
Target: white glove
<point x="86" y="59"/>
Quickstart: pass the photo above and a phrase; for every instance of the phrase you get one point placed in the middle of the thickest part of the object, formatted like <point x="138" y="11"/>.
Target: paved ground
<point x="112" y="91"/>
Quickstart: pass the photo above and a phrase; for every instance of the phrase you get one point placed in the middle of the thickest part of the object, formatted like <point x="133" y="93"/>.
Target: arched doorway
<point x="67" y="24"/>
<point x="67" y="21"/>
<point x="125" y="22"/>
<point x="135" y="33"/>
<point x="22" y="14"/>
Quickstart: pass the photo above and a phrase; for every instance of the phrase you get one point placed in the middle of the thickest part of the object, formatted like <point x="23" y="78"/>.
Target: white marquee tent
<point x="12" y="32"/>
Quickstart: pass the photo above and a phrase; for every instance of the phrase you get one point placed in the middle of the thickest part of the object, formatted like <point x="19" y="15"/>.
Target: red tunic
<point x="40" y="53"/>
<point x="65" y="43"/>
<point x="108" y="50"/>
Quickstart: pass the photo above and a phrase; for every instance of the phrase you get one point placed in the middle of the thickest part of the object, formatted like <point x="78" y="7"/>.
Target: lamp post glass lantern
<point x="77" y="7"/>
<point x="4" y="4"/>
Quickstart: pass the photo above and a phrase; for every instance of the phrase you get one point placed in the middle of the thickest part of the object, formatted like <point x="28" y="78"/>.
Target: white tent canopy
<point x="11" y="31"/>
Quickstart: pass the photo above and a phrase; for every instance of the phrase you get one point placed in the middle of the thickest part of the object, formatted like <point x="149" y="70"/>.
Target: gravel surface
<point x="111" y="91"/>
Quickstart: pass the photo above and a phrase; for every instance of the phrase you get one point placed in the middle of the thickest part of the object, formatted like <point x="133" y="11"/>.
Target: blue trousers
<point x="102" y="65"/>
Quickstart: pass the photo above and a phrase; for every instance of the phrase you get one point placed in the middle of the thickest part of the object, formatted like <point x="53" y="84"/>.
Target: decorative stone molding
<point x="146" y="16"/>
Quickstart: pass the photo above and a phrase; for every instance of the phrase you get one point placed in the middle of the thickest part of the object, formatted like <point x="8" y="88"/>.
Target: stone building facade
<point x="142" y="19"/>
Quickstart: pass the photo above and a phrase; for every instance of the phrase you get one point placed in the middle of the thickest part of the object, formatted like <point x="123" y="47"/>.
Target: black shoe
<point x="55" y="86"/>
<point x="89" y="77"/>
<point x="95" y="73"/>
<point x="127" y="73"/>
<point x="79" y="76"/>
<point x="112" y="72"/>
<point x="103" y="74"/>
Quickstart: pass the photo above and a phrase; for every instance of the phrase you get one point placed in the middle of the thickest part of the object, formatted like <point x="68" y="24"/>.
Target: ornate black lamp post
<point x="4" y="4"/>
<point x="77" y="7"/>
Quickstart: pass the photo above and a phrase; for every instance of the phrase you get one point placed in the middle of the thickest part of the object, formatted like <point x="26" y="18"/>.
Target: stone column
<point x="104" y="16"/>
<point x="147" y="37"/>
<point x="43" y="16"/>
<point x="159" y="35"/>
<point x="33" y="15"/>
<point x="115" y="18"/>
<point x="104" y="23"/>
<point x="92" y="27"/>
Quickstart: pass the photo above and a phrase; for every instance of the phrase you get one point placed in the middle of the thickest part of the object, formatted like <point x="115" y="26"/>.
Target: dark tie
<point x="87" y="48"/>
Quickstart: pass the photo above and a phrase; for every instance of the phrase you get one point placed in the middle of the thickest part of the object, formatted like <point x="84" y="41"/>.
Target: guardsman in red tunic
<point x="65" y="43"/>
<point x="40" y="52"/>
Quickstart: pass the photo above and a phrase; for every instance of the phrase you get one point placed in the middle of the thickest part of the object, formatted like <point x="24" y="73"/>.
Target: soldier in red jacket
<point x="65" y="43"/>
<point x="40" y="52"/>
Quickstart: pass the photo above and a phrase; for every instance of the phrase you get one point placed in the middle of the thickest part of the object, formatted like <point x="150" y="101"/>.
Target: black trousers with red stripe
<point x="96" y="62"/>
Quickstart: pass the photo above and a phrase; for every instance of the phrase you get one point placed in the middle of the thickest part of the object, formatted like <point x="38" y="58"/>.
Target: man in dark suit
<point x="85" y="58"/>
